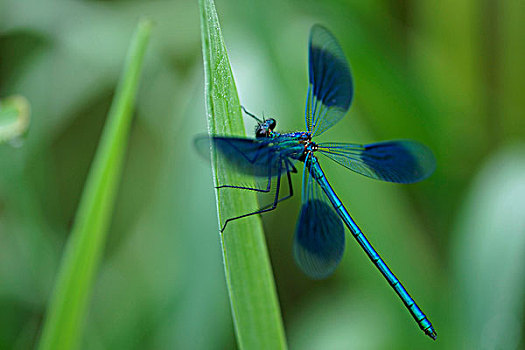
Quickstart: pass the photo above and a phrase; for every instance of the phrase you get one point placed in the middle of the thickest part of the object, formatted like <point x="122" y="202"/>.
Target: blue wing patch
<point x="331" y="89"/>
<point x="319" y="240"/>
<point x="393" y="161"/>
<point x="257" y="157"/>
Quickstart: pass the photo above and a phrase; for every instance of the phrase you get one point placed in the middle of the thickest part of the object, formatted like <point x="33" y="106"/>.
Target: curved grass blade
<point x="67" y="308"/>
<point x="14" y="118"/>
<point x="488" y="252"/>
<point x="255" y="308"/>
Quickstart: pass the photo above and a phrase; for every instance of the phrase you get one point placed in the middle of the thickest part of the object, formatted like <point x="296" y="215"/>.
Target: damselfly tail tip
<point x="431" y="333"/>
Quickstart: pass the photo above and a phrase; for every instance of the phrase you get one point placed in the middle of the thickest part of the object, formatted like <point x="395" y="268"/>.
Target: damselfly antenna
<point x="251" y="115"/>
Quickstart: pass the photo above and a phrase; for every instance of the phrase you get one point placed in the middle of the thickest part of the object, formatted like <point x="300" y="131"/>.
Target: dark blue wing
<point x="394" y="161"/>
<point x="331" y="89"/>
<point x="257" y="157"/>
<point x="319" y="240"/>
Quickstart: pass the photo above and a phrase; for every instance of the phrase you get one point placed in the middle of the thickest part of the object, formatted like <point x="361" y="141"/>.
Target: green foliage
<point x="253" y="298"/>
<point x="488" y="252"/>
<point x="68" y="305"/>
<point x="448" y="74"/>
<point x="14" y="118"/>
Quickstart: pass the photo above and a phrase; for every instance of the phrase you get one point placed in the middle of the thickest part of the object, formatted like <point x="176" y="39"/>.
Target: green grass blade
<point x="488" y="252"/>
<point x="256" y="312"/>
<point x="14" y="118"/>
<point x="67" y="308"/>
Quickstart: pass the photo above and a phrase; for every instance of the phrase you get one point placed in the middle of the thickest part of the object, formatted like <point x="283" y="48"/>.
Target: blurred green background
<point x="449" y="74"/>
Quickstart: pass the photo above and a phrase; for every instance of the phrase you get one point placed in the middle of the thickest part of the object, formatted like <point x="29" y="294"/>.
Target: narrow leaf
<point x="256" y="312"/>
<point x="67" y="308"/>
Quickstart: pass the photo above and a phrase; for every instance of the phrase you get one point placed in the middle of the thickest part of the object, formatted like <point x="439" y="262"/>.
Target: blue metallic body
<point x="314" y="168"/>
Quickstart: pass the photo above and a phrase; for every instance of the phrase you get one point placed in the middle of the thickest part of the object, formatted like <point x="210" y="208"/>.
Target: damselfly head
<point x="271" y="123"/>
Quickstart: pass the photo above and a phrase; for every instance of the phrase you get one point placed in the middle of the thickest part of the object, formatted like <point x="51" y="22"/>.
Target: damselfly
<point x="319" y="238"/>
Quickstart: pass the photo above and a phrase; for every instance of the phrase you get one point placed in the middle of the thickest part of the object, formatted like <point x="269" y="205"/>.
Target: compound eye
<point x="260" y="132"/>
<point x="271" y="123"/>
